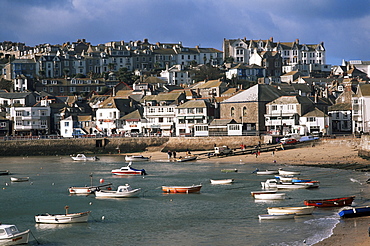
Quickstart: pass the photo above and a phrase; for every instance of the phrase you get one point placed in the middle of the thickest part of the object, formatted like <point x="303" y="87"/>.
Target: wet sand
<point x="351" y="231"/>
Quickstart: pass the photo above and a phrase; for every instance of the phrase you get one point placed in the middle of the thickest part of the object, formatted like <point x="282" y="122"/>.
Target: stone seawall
<point x="117" y="145"/>
<point x="364" y="148"/>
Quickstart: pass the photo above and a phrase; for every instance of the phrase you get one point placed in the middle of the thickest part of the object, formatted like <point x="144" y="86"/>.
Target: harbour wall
<point x="364" y="148"/>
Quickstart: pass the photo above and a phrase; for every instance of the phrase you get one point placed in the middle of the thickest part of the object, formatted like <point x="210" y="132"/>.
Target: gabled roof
<point x="162" y="97"/>
<point x="135" y="115"/>
<point x="222" y="122"/>
<point x="292" y="100"/>
<point x="315" y="113"/>
<point x="208" y="84"/>
<point x="340" y="107"/>
<point x="154" y="80"/>
<point x="363" y="90"/>
<point x="194" y="104"/>
<point x="256" y="93"/>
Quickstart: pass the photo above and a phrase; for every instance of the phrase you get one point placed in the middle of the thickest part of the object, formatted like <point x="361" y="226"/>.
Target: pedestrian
<point x="256" y="154"/>
<point x="282" y="146"/>
<point x="273" y="152"/>
<point x="174" y="154"/>
<point x="169" y="153"/>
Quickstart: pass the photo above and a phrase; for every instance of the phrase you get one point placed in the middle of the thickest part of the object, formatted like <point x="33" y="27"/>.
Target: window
<point x="66" y="124"/>
<point x="274" y="107"/>
<point x="234" y="127"/>
<point x="169" y="120"/>
<point x="160" y="120"/>
<point x="190" y="111"/>
<point x="170" y="110"/>
<point x="18" y="113"/>
<point x="201" y="128"/>
<point x="244" y="112"/>
<point x="311" y="119"/>
<point x="199" y="110"/>
<point x="232" y="111"/>
<point x="151" y="110"/>
<point x="160" y="110"/>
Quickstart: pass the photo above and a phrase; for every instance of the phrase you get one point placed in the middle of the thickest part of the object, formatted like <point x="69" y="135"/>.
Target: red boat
<point x="335" y="202"/>
<point x="182" y="189"/>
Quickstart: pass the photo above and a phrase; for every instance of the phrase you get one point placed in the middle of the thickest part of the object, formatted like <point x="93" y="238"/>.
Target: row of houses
<point x="261" y="109"/>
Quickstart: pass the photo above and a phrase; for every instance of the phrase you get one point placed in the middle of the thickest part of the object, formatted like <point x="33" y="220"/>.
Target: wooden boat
<point x="82" y="157"/>
<point x="253" y="193"/>
<point x="187" y="158"/>
<point x="354" y="212"/>
<point x="276" y="216"/>
<point x="334" y="202"/>
<point x="229" y="170"/>
<point x="271" y="196"/>
<point x="123" y="191"/>
<point x="17" y="179"/>
<point x="66" y="218"/>
<point x="182" y="189"/>
<point x="4" y="172"/>
<point x="128" y="170"/>
<point x="294" y="210"/>
<point x="10" y="235"/>
<point x="222" y="181"/>
<point x="136" y="158"/>
<point x="267" y="172"/>
<point x="86" y="189"/>
<point x="284" y="172"/>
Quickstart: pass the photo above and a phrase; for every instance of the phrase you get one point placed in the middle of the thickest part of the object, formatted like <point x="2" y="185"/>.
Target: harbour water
<point x="219" y="215"/>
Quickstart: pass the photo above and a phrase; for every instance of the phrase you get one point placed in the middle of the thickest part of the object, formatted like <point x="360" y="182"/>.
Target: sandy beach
<point x="353" y="231"/>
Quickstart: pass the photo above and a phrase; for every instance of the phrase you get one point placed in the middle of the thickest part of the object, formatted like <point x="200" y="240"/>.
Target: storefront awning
<point x="199" y="117"/>
<point x="190" y="117"/>
<point x="166" y="127"/>
<point x="180" y="117"/>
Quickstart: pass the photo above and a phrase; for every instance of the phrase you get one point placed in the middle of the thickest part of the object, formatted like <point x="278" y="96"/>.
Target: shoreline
<point x="350" y="231"/>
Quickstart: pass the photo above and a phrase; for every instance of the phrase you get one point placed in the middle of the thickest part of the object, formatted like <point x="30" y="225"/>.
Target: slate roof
<point x="256" y="93"/>
<point x="135" y="115"/>
<point x="315" y="113"/>
<point x="194" y="104"/>
<point x="222" y="122"/>
<point x="340" y="107"/>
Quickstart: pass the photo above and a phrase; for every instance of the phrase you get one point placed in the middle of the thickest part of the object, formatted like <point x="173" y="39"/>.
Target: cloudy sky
<point x="342" y="25"/>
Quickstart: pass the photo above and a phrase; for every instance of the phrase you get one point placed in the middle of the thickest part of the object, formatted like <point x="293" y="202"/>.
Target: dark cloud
<point x="341" y="25"/>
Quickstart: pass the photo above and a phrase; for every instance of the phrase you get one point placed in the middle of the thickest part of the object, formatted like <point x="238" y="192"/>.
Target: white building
<point x="30" y="120"/>
<point x="361" y="109"/>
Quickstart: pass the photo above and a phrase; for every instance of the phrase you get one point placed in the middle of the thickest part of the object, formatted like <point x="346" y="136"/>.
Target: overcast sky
<point x="343" y="25"/>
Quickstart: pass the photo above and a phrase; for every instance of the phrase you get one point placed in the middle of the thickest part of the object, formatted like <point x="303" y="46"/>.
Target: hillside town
<point x="138" y="88"/>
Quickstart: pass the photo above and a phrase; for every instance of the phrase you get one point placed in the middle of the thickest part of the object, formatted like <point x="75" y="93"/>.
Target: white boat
<point x="293" y="210"/>
<point x="276" y="216"/>
<point x="83" y="157"/>
<point x="274" y="183"/>
<point x="10" y="235"/>
<point x="253" y="193"/>
<point x="187" y="158"/>
<point x="131" y="158"/>
<point x="128" y="170"/>
<point x="287" y="173"/>
<point x="271" y="196"/>
<point x="267" y="172"/>
<point x="18" y="179"/>
<point x="86" y="189"/>
<point x="123" y="191"/>
<point x="66" y="218"/>
<point x="222" y="181"/>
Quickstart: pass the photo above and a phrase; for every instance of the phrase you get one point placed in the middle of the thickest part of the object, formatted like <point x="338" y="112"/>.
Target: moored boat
<point x="182" y="189"/>
<point x="66" y="218"/>
<point x="333" y="202"/>
<point x="271" y="196"/>
<point x="128" y="170"/>
<point x="229" y="170"/>
<point x="86" y="189"/>
<point x="267" y="172"/>
<point x="276" y="216"/>
<point x="4" y="172"/>
<point x="123" y="191"/>
<point x="10" y="235"/>
<point x="19" y="179"/>
<point x="285" y="172"/>
<point x="83" y="157"/>
<point x="221" y="181"/>
<point x="274" y="183"/>
<point x="133" y="158"/>
<point x="187" y="158"/>
<point x="295" y="210"/>
<point x="350" y="212"/>
<point x="253" y="193"/>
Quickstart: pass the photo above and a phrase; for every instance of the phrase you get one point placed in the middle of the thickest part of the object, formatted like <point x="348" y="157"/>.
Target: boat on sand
<point x="295" y="210"/>
<point x="332" y="202"/>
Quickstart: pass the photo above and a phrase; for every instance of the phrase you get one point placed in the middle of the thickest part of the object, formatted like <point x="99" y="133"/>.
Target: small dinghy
<point x="222" y="181"/>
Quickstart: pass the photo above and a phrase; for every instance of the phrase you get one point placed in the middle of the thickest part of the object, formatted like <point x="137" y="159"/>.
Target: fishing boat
<point x="83" y="157"/>
<point x="10" y="235"/>
<point x="136" y="158"/>
<point x="350" y="212"/>
<point x="267" y="172"/>
<point x="128" y="170"/>
<point x="4" y="172"/>
<point x="182" y="189"/>
<point x="286" y="173"/>
<point x="18" y="179"/>
<point x="276" y="216"/>
<point x="274" y="183"/>
<point x="187" y="158"/>
<point x="221" y="181"/>
<point x="86" y="189"/>
<point x="253" y="193"/>
<point x="229" y="170"/>
<point x="294" y="210"/>
<point x="123" y="191"/>
<point x="66" y="218"/>
<point x="271" y="196"/>
<point x="333" y="202"/>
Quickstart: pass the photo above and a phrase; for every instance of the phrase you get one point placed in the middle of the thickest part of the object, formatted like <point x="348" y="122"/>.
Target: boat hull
<point x="335" y="202"/>
<point x="273" y="196"/>
<point x="136" y="158"/>
<point x="182" y="189"/>
<point x="267" y="172"/>
<point x="115" y="194"/>
<point x="15" y="179"/>
<point x="221" y="181"/>
<point x="187" y="158"/>
<point x="355" y="212"/>
<point x="253" y="193"/>
<point x="62" y="218"/>
<point x="287" y="173"/>
<point x="16" y="239"/>
<point x="294" y="210"/>
<point x="81" y="190"/>
<point x="276" y="216"/>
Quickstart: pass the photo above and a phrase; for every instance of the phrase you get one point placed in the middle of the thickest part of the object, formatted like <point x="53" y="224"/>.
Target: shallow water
<point x="219" y="215"/>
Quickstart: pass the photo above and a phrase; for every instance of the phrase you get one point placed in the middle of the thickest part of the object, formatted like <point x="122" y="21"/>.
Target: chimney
<point x="271" y="39"/>
<point x="297" y="41"/>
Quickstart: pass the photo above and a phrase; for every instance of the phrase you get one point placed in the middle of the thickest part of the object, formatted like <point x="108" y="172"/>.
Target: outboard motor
<point x="143" y="172"/>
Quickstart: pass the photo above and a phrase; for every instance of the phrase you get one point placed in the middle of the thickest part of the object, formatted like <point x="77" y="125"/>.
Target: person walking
<point x="174" y="154"/>
<point x="169" y="153"/>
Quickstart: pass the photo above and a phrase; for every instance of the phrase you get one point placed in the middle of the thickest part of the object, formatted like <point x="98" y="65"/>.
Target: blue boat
<point x="355" y="212"/>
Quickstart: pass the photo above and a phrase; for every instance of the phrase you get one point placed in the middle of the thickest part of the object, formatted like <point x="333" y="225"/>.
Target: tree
<point x="126" y="76"/>
<point x="206" y="72"/>
<point x="65" y="72"/>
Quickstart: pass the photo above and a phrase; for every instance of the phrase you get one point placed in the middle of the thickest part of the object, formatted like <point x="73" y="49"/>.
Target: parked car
<point x="290" y="141"/>
<point x="308" y="138"/>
